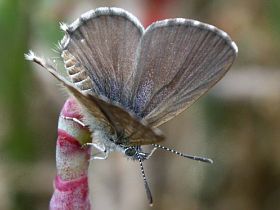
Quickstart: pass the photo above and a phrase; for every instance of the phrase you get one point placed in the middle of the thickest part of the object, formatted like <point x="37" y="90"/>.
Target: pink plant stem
<point x="71" y="191"/>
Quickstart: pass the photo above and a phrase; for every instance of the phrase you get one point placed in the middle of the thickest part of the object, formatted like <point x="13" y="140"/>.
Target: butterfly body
<point x="107" y="142"/>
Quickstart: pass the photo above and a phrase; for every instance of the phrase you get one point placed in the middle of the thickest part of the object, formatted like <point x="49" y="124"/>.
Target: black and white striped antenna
<point x="192" y="157"/>
<point x="147" y="188"/>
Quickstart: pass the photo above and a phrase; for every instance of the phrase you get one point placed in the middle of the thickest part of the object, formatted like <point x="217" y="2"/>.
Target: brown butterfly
<point x="129" y="80"/>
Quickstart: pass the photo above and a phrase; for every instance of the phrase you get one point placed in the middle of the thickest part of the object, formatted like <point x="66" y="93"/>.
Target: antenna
<point x="148" y="192"/>
<point x="192" y="157"/>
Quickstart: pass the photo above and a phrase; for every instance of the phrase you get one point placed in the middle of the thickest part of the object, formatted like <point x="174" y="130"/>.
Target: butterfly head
<point x="135" y="153"/>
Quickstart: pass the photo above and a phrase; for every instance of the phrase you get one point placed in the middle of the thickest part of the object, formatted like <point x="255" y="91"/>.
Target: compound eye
<point x="130" y="151"/>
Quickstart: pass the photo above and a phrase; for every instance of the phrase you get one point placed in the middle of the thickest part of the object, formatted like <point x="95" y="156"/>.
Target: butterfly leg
<point x="151" y="153"/>
<point x="76" y="120"/>
<point x="102" y="150"/>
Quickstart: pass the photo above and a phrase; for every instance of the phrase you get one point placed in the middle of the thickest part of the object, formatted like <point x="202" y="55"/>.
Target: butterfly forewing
<point x="178" y="61"/>
<point x="104" y="42"/>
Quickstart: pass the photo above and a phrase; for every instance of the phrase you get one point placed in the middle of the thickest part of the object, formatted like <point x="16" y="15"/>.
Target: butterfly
<point x="129" y="80"/>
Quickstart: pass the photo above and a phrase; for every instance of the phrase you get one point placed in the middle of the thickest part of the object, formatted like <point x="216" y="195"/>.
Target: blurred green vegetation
<point x="22" y="139"/>
<point x="15" y="79"/>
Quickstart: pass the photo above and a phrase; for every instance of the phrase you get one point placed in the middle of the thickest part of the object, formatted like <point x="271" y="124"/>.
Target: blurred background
<point x="237" y="123"/>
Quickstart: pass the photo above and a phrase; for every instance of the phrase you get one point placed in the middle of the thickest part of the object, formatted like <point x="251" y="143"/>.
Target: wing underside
<point x="132" y="80"/>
